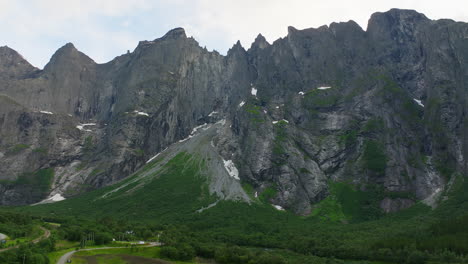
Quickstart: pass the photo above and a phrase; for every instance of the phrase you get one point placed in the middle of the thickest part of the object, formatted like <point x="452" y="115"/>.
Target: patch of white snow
<point x="301" y="93"/>
<point x="241" y="104"/>
<point x="253" y="91"/>
<point x="213" y="113"/>
<point x="432" y="199"/>
<point x="140" y="113"/>
<point x="46" y="112"/>
<point x="256" y="194"/>
<point x="55" y="198"/>
<point x="231" y="169"/>
<point x="283" y="120"/>
<point x="195" y="129"/>
<point x="221" y="122"/>
<point x="323" y="87"/>
<point x="82" y="127"/>
<point x="278" y="207"/>
<point x="419" y="102"/>
<point x="185" y="139"/>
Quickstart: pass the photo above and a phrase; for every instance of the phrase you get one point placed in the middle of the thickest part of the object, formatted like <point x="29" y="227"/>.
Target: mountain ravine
<point x="383" y="109"/>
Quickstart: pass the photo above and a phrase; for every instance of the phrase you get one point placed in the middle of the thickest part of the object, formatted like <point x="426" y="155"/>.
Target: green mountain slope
<point x="174" y="190"/>
<point x="177" y="187"/>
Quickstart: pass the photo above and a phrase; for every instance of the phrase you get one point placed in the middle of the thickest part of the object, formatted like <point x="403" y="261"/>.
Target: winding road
<point x="63" y="259"/>
<point x="42" y="237"/>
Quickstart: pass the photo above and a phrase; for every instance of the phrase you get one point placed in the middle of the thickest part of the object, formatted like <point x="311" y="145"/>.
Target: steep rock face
<point x="371" y="108"/>
<point x="382" y="108"/>
<point x="32" y="143"/>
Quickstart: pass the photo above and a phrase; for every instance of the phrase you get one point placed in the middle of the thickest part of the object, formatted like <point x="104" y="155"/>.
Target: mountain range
<point x="382" y="110"/>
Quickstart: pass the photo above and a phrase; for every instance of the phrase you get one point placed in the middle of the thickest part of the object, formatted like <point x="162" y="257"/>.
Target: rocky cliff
<point x="381" y="109"/>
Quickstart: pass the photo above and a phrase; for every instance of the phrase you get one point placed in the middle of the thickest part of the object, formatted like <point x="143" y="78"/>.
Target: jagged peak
<point x="292" y="30"/>
<point x="346" y="28"/>
<point x="6" y="51"/>
<point x="66" y="54"/>
<point x="175" y="33"/>
<point x="348" y="24"/>
<point x="13" y="63"/>
<point x="66" y="49"/>
<point x="236" y="48"/>
<point x="260" y="42"/>
<point x="405" y="12"/>
<point x="395" y="16"/>
<point x="6" y="48"/>
<point x="69" y="45"/>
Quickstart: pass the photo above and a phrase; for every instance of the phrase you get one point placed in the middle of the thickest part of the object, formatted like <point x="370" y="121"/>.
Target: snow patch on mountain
<point x="419" y="102"/>
<point x="253" y="91"/>
<point x="82" y="127"/>
<point x="278" y="207"/>
<point x="140" y="113"/>
<point x="231" y="169"/>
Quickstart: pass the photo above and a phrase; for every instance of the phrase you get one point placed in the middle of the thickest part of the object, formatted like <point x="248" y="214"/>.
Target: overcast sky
<point x="104" y="29"/>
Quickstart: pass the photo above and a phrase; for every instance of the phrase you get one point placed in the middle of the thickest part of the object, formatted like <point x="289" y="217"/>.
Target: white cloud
<point x="104" y="29"/>
<point x="37" y="28"/>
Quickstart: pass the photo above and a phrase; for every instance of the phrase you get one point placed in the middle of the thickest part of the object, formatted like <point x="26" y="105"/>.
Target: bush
<point x="416" y="257"/>
<point x="169" y="252"/>
<point x="375" y="159"/>
<point x="186" y="252"/>
<point x="205" y="251"/>
<point x="102" y="238"/>
<point x="270" y="259"/>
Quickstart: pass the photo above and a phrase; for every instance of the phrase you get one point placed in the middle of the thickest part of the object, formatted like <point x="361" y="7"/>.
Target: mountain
<point x="380" y="111"/>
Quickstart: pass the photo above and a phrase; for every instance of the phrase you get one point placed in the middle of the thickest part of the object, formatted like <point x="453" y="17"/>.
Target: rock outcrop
<point x="383" y="107"/>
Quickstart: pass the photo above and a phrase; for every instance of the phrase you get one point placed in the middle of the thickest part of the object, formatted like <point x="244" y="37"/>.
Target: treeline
<point x="231" y="233"/>
<point x="182" y="244"/>
<point x="445" y="241"/>
<point x="29" y="253"/>
<point x="16" y="225"/>
<point x="105" y="230"/>
<point x="237" y="238"/>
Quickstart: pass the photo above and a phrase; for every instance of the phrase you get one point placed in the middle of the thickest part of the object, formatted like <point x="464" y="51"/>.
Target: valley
<point x="330" y="145"/>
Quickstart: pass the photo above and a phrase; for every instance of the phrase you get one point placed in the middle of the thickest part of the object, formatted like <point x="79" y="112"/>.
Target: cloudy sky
<point x="104" y="29"/>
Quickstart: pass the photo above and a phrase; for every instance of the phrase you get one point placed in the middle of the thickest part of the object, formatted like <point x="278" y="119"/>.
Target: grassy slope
<point x="179" y="188"/>
<point x="111" y="254"/>
<point x="336" y="228"/>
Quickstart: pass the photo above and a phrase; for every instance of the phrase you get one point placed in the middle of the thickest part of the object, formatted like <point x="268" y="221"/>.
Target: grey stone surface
<point x="147" y="100"/>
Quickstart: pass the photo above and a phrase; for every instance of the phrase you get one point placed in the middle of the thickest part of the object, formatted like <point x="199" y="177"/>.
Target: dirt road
<point x="42" y="237"/>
